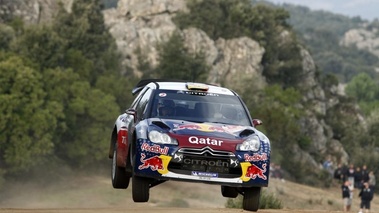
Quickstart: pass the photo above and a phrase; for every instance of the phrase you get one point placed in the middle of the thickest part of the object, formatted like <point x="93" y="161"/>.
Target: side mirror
<point x="132" y="112"/>
<point x="257" y="122"/>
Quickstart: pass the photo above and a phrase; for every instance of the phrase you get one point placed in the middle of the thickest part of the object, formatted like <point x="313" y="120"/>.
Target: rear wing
<point x="142" y="83"/>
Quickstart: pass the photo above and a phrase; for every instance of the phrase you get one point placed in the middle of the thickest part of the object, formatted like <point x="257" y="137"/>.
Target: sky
<point x="366" y="9"/>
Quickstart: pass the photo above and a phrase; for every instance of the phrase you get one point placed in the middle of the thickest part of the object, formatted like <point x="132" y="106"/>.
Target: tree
<point x="71" y="65"/>
<point x="7" y="35"/>
<point x="363" y="88"/>
<point x="44" y="47"/>
<point x="28" y="121"/>
<point x="85" y="32"/>
<point x="176" y="62"/>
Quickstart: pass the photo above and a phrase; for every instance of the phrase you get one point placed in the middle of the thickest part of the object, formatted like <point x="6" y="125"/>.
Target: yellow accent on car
<point x="197" y="86"/>
<point x="165" y="160"/>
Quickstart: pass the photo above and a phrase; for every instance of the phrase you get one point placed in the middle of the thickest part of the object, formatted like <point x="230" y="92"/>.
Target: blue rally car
<point x="190" y="132"/>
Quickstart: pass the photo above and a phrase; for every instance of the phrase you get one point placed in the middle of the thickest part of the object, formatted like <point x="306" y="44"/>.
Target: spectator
<point x="364" y="174"/>
<point x="279" y="172"/>
<point x="347" y="196"/>
<point x="350" y="173"/>
<point x="366" y="195"/>
<point x="372" y="180"/>
<point x="338" y="174"/>
<point x="328" y="166"/>
<point x="272" y="170"/>
<point x="358" y="178"/>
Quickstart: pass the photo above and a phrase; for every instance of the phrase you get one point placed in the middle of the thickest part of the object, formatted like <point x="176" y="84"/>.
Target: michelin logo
<point x="204" y="174"/>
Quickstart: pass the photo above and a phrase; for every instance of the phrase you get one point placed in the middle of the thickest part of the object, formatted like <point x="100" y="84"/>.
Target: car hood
<point x="217" y="130"/>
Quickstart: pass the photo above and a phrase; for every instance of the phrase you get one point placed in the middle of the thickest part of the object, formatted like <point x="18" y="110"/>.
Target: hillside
<point x="97" y="192"/>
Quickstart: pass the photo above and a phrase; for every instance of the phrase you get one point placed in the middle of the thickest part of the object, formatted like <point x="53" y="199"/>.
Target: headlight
<point x="163" y="138"/>
<point x="250" y="144"/>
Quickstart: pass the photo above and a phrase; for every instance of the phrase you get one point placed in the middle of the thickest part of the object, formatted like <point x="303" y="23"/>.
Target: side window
<point x="136" y="100"/>
<point x="141" y="106"/>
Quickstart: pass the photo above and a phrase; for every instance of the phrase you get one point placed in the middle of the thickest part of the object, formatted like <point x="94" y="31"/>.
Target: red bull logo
<point x="251" y="171"/>
<point x="216" y="129"/>
<point x="188" y="126"/>
<point x="154" y="163"/>
<point x="255" y="157"/>
<point x="154" y="149"/>
<point x="200" y="127"/>
<point x="254" y="171"/>
<point x="209" y="128"/>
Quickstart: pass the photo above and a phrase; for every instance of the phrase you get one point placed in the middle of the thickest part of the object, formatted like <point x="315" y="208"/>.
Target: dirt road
<point x="142" y="209"/>
<point x="94" y="194"/>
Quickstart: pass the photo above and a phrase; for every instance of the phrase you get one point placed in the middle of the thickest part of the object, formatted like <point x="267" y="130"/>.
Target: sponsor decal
<point x="207" y="141"/>
<point x="123" y="139"/>
<point x="234" y="162"/>
<point x="251" y="171"/>
<point x="204" y="174"/>
<point x="255" y="157"/>
<point x="187" y="126"/>
<point x="125" y="118"/>
<point x="230" y="129"/>
<point x="201" y="93"/>
<point x="217" y="163"/>
<point x="154" y="149"/>
<point x="155" y="163"/>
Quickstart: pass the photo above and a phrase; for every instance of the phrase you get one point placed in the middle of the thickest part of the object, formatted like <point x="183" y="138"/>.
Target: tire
<point x="120" y="178"/>
<point x="251" y="198"/>
<point x="140" y="189"/>
<point x="230" y="192"/>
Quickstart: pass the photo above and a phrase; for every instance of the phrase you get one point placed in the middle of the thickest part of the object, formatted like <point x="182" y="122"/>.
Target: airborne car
<point x="189" y="132"/>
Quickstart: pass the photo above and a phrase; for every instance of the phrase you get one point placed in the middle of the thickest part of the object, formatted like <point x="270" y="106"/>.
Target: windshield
<point x="198" y="106"/>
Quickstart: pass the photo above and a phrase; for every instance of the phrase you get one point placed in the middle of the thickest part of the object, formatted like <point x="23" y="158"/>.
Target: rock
<point x="362" y="39"/>
<point x="31" y="11"/>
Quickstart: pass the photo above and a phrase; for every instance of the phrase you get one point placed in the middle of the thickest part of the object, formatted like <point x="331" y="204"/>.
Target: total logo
<point x="207" y="141"/>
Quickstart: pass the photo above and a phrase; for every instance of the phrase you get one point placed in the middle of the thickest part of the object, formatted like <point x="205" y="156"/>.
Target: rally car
<point x="189" y="132"/>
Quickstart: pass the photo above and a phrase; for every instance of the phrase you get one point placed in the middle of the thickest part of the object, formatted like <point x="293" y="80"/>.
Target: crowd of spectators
<point x="356" y="178"/>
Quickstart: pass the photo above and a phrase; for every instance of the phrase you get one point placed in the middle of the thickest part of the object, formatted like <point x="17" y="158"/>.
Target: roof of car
<point x="181" y="85"/>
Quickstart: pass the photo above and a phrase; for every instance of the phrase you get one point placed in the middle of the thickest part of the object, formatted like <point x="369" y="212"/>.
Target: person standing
<point x="338" y="174"/>
<point x="365" y="172"/>
<point x="350" y="174"/>
<point x="366" y="195"/>
<point x="347" y="196"/>
<point x="372" y="180"/>
<point x="358" y="178"/>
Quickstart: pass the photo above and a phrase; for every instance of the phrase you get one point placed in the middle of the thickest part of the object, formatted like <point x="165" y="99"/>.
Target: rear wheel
<point x="251" y="197"/>
<point x="228" y="191"/>
<point x="140" y="189"/>
<point x="120" y="177"/>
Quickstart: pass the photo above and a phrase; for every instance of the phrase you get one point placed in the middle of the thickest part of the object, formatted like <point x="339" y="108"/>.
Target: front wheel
<point x="120" y="177"/>
<point x="251" y="197"/>
<point x="230" y="192"/>
<point x="140" y="189"/>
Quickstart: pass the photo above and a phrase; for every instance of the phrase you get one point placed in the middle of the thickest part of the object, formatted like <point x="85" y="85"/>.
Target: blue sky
<point x="366" y="9"/>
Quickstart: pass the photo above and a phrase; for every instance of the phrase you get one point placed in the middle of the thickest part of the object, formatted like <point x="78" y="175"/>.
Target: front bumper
<point x="164" y="162"/>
